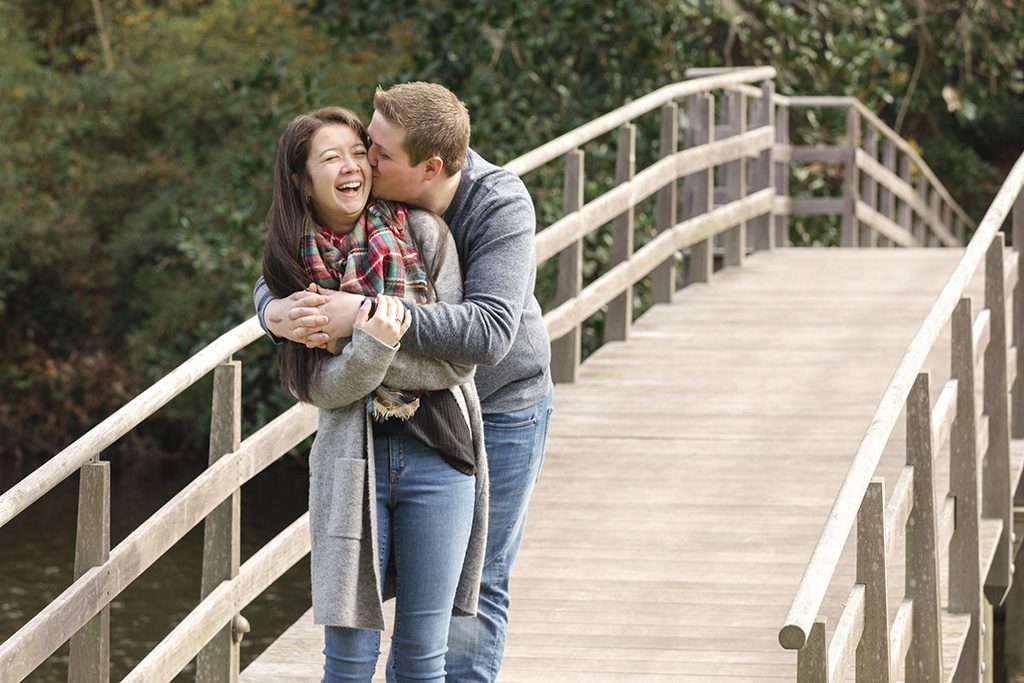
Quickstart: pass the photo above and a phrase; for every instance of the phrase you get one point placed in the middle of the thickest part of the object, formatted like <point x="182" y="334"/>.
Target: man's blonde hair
<point x="435" y="121"/>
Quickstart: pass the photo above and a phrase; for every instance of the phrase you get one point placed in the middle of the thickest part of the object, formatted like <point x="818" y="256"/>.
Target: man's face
<point x="393" y="177"/>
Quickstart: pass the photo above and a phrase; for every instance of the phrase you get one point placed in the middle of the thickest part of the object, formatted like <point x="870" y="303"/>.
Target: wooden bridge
<point x="801" y="464"/>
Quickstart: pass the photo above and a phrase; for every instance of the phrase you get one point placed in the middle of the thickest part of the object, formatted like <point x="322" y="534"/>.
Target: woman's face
<point x="339" y="175"/>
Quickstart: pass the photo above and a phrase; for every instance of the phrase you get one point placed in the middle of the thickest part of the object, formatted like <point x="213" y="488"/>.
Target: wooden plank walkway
<point x="689" y="471"/>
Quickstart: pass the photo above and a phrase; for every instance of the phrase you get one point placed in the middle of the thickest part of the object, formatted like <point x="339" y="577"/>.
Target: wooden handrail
<point x="894" y="137"/>
<point x="49" y="629"/>
<point x="564" y="143"/>
<point x="130" y="415"/>
<point x="839" y="522"/>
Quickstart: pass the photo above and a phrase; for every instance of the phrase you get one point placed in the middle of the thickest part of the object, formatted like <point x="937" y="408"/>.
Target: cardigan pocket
<point x="347" y="498"/>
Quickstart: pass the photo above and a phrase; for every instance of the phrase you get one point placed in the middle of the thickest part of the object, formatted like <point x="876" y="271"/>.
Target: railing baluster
<point x="218" y="662"/>
<point x="90" y="647"/>
<point x="886" y="200"/>
<point x="996" y="500"/>
<point x="869" y="188"/>
<point x="700" y="187"/>
<point x="734" y="240"/>
<point x="964" y="548"/>
<point x="762" y="169"/>
<point x="812" y="659"/>
<point x="565" y="352"/>
<point x="904" y="216"/>
<point x="924" y="659"/>
<point x="1017" y="235"/>
<point x="663" y="278"/>
<point x="851" y="184"/>
<point x="873" y="650"/>
<point x="782" y="176"/>
<point x="924" y="230"/>
<point x="619" y="318"/>
<point x="935" y="204"/>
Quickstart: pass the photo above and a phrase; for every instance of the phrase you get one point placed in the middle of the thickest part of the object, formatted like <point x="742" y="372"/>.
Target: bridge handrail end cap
<point x="792" y="637"/>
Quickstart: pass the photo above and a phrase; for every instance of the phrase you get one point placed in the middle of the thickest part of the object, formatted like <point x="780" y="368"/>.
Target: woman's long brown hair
<point x="288" y="220"/>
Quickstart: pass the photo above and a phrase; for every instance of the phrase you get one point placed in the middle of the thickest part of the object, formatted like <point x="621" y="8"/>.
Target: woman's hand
<point x="389" y="322"/>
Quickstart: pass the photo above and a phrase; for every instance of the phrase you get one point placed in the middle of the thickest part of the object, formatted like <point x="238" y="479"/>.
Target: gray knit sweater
<point x="498" y="326"/>
<point x="347" y="585"/>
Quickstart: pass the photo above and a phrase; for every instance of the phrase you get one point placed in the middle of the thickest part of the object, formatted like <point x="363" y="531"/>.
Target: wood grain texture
<point x="688" y="473"/>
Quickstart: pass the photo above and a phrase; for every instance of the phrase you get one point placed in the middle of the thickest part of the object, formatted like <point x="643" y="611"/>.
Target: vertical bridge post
<point x="90" y="647"/>
<point x="851" y="183"/>
<point x="700" y="186"/>
<point x="965" y="545"/>
<point x="762" y="172"/>
<point x="873" y="650"/>
<point x="996" y="502"/>
<point x="619" y="318"/>
<point x="735" y="238"/>
<point x="869" y="187"/>
<point x="781" y="226"/>
<point x="1014" y="647"/>
<point x="924" y="658"/>
<point x="663" y="278"/>
<point x="565" y="352"/>
<point x="218" y="662"/>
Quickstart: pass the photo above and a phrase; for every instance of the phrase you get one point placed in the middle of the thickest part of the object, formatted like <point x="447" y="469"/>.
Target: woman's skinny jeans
<point x="424" y="517"/>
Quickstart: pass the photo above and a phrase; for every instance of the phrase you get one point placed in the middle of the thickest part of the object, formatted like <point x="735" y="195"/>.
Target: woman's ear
<point x="295" y="180"/>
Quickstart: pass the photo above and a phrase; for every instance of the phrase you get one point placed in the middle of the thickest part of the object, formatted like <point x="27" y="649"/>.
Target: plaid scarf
<point x="375" y="257"/>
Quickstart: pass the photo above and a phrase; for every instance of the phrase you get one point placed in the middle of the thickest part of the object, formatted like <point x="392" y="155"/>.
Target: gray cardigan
<point x="347" y="586"/>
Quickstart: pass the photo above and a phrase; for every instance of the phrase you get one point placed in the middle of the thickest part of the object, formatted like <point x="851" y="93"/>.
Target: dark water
<point x="37" y="558"/>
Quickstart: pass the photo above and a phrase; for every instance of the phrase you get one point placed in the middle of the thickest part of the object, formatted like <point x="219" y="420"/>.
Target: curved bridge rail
<point x="973" y="534"/>
<point x="735" y="125"/>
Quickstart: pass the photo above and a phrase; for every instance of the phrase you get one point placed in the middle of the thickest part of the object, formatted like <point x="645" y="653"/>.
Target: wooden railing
<point x="969" y="527"/>
<point x="736" y="125"/>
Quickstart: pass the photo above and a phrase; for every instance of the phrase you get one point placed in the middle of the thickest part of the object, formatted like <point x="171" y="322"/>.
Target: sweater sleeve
<point x="353" y="373"/>
<point x="499" y="264"/>
<point x="410" y="370"/>
<point x="261" y="296"/>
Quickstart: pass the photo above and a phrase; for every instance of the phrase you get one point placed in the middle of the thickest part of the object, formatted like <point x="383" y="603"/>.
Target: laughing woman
<point x="398" y="482"/>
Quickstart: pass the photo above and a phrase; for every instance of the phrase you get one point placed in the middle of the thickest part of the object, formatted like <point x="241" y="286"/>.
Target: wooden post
<point x="218" y="661"/>
<point x="663" y="278"/>
<point x="735" y="239"/>
<point x="565" y="352"/>
<point x="924" y="658"/>
<point x="922" y="231"/>
<point x="1017" y="236"/>
<point x="873" y="650"/>
<point x="946" y="215"/>
<point x="936" y="207"/>
<point x="964" y="548"/>
<point x="812" y="659"/>
<point x="90" y="647"/>
<point x="762" y="169"/>
<point x="886" y="199"/>
<point x="619" y="318"/>
<point x="904" y="216"/>
<point x="782" y="176"/>
<point x="848" y="236"/>
<point x="700" y="186"/>
<point x="869" y="188"/>
<point x="996" y="499"/>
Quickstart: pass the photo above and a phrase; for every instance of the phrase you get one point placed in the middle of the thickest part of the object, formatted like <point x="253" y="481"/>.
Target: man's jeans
<point x="424" y="515"/>
<point x="515" y="451"/>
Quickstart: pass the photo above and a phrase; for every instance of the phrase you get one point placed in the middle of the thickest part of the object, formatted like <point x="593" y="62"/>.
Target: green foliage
<point x="133" y="198"/>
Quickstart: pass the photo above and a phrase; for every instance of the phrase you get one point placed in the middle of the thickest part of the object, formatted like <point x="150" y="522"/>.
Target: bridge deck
<point x="688" y="473"/>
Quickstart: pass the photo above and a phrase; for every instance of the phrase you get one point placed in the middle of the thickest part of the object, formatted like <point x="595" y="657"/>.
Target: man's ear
<point x="432" y="168"/>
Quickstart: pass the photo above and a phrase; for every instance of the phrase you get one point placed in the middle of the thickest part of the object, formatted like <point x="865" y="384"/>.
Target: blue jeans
<point x="424" y="518"/>
<point x="515" y="451"/>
